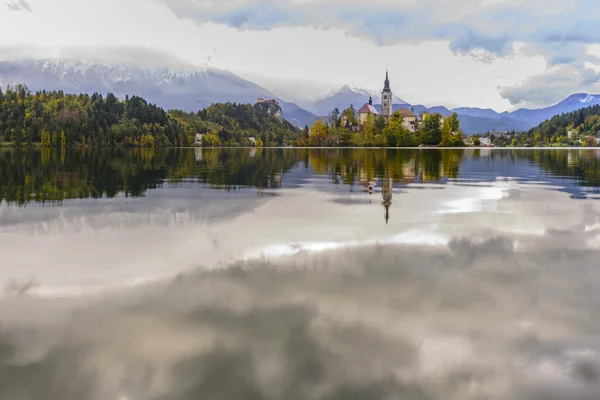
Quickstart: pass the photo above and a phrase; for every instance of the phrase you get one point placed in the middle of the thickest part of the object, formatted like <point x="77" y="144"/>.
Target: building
<point x="199" y="139"/>
<point x="365" y="110"/>
<point x="261" y="100"/>
<point x="409" y="119"/>
<point x="252" y="141"/>
<point x="485" y="142"/>
<point x="387" y="98"/>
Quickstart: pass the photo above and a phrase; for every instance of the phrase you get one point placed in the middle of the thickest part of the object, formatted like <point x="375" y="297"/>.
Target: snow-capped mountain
<point x="188" y="87"/>
<point x="350" y="94"/>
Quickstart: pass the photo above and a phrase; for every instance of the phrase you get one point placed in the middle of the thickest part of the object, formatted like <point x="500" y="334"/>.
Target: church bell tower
<point x="386" y="98"/>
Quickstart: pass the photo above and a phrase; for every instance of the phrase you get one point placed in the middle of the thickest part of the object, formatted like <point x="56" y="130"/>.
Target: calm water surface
<point x="300" y="274"/>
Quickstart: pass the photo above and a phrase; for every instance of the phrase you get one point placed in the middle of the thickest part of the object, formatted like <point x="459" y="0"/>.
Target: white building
<point x="409" y="119"/>
<point x="199" y="138"/>
<point x="485" y="142"/>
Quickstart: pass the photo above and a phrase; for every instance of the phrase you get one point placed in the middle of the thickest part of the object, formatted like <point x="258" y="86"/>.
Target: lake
<point x="300" y="274"/>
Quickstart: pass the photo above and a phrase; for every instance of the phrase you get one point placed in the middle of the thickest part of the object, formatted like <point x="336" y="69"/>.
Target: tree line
<point x="345" y="130"/>
<point x="57" y="119"/>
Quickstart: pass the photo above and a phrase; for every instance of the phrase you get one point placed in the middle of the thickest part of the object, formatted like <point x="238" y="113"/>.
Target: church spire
<point x="386" y="87"/>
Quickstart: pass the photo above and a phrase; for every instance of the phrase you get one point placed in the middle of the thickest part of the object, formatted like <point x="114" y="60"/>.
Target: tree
<point x="350" y="114"/>
<point x="318" y="132"/>
<point x="345" y="137"/>
<point x="431" y="129"/>
<point x="380" y="124"/>
<point x="305" y="134"/>
<point x="369" y="130"/>
<point x="396" y="134"/>
<point x="334" y="118"/>
<point x="451" y="133"/>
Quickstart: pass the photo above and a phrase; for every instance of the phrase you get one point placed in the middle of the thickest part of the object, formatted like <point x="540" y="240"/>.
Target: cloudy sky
<point x="502" y="54"/>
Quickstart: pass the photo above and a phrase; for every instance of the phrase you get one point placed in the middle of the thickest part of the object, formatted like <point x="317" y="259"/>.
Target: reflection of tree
<point x="51" y="175"/>
<point x="350" y="166"/>
<point x="582" y="165"/>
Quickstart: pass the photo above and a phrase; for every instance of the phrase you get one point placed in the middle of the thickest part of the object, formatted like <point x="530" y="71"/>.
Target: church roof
<point x="406" y="113"/>
<point x="368" y="109"/>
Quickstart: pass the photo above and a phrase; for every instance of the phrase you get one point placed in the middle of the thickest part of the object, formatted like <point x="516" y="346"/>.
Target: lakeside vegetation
<point x="56" y="119"/>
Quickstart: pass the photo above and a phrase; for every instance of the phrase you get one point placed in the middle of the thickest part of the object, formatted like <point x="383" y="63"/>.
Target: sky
<point x="500" y="54"/>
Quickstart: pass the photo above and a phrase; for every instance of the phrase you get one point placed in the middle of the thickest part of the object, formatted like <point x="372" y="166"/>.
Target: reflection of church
<point x="386" y="193"/>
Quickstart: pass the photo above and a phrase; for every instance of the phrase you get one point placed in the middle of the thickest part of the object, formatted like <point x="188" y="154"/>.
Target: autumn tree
<point x="318" y="132"/>
<point x="369" y="130"/>
<point x="451" y="134"/>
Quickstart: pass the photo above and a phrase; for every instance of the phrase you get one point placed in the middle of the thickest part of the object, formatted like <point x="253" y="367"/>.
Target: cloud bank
<point x="556" y="30"/>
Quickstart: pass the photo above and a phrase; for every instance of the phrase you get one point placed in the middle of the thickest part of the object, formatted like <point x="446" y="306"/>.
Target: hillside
<point x="187" y="88"/>
<point x="583" y="125"/>
<point x="53" y="118"/>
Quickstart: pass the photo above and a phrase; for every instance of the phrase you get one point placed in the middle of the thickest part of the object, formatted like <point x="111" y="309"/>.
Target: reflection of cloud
<point x="469" y="321"/>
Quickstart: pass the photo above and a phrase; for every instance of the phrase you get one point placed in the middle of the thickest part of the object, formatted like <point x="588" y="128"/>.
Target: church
<point x="411" y="121"/>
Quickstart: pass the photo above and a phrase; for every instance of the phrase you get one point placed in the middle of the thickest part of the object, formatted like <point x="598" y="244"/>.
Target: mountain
<point x="347" y="95"/>
<point x="478" y="120"/>
<point x="531" y="118"/>
<point x="189" y="88"/>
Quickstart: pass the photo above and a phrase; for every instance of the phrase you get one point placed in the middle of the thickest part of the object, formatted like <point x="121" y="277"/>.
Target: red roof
<point x="406" y="113"/>
<point x="367" y="109"/>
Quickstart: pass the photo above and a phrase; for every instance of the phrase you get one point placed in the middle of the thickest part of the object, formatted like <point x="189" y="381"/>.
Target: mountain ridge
<point x="193" y="87"/>
<point x="189" y="88"/>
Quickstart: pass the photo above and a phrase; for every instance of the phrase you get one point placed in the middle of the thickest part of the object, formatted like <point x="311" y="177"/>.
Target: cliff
<point x="271" y="108"/>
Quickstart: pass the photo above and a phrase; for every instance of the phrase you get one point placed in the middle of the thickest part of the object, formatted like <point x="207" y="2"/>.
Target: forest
<point x="57" y="119"/>
<point x="577" y="128"/>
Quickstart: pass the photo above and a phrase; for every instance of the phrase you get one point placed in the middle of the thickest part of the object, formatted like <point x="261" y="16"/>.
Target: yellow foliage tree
<point x="318" y="132"/>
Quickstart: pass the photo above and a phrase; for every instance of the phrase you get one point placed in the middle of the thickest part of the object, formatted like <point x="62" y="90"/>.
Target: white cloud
<point x="438" y="52"/>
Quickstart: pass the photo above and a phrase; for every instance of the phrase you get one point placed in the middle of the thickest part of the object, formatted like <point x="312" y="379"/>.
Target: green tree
<point x="334" y="118"/>
<point x="380" y="124"/>
<point x="431" y="129"/>
<point x="396" y="134"/>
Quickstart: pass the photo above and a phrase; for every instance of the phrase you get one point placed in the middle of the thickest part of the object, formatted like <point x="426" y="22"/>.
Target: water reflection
<point x="53" y="175"/>
<point x="299" y="274"/>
